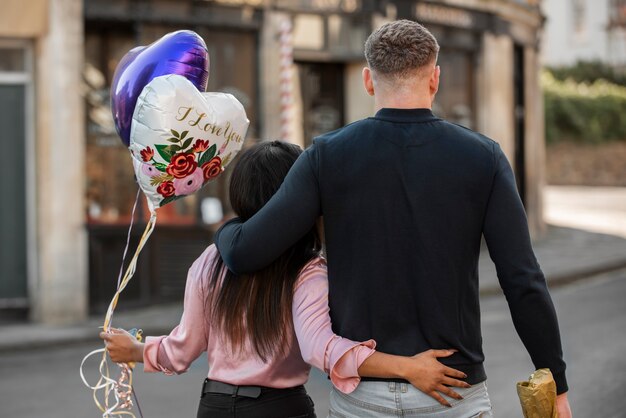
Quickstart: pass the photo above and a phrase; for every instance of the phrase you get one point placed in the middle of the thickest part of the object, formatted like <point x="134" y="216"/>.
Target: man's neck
<point x="399" y="101"/>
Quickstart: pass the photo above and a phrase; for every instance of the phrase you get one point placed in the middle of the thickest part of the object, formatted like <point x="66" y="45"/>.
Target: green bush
<point x="583" y="112"/>
<point x="589" y="72"/>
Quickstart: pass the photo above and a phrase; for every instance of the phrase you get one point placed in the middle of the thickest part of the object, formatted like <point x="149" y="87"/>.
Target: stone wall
<point x="583" y="164"/>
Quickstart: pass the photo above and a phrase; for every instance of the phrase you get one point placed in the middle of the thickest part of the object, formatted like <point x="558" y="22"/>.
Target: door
<point x="14" y="80"/>
<point x="455" y="98"/>
<point x="322" y="98"/>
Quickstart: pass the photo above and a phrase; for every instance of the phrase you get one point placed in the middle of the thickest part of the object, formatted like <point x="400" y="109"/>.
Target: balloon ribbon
<point x="121" y="389"/>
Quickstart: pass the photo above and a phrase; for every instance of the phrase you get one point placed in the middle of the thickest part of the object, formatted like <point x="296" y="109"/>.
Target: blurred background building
<point x="586" y="30"/>
<point x="68" y="181"/>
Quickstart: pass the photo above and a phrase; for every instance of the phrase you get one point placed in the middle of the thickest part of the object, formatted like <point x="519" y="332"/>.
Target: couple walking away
<point x="392" y="315"/>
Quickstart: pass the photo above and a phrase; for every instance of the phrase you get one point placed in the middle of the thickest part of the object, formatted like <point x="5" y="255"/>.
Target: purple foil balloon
<point x="183" y="52"/>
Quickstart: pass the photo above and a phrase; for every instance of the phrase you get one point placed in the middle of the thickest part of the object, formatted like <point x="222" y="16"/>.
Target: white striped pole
<point x="286" y="64"/>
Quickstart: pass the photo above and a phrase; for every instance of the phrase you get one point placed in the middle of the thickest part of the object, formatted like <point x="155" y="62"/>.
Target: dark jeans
<point x="272" y="403"/>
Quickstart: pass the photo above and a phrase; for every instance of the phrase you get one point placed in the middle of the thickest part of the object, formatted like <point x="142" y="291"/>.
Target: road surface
<point x="592" y="314"/>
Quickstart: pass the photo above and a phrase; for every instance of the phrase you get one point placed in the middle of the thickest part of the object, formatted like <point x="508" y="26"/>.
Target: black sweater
<point x="406" y="197"/>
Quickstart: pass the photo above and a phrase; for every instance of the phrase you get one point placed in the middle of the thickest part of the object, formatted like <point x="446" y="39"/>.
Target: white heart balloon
<point x="180" y="138"/>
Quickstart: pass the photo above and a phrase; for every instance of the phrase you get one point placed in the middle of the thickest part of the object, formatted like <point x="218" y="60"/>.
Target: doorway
<point x="455" y="99"/>
<point x="15" y="87"/>
<point x="322" y="98"/>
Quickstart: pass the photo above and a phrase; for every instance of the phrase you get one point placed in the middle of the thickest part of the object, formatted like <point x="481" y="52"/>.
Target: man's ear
<point x="433" y="83"/>
<point x="368" y="82"/>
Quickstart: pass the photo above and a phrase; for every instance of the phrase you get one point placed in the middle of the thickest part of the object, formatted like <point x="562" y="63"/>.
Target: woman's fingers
<point x="446" y="391"/>
<point x="439" y="398"/>
<point x="118" y="331"/>
<point x="449" y="371"/>
<point x="442" y="353"/>
<point x="449" y="392"/>
<point x="448" y="381"/>
<point x="113" y="333"/>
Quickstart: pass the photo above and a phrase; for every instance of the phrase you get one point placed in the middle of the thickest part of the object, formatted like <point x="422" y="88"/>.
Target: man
<point x="406" y="197"/>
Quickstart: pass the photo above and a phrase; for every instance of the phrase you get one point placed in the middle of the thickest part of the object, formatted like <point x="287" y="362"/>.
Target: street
<point x="46" y="383"/>
<point x="596" y="209"/>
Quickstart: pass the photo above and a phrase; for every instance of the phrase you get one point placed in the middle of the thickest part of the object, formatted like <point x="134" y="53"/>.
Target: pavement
<point x="565" y="253"/>
<point x="595" y="209"/>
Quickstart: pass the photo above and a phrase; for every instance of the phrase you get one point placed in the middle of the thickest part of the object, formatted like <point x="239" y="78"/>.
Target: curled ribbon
<point x="121" y="389"/>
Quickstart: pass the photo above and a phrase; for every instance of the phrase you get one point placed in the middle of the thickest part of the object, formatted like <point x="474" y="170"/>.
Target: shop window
<point x="308" y="32"/>
<point x="334" y="35"/>
<point x="111" y="188"/>
<point x="617" y="13"/>
<point x="579" y="18"/>
<point x="12" y="60"/>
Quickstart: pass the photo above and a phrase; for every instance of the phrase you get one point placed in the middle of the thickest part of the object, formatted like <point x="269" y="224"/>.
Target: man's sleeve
<point x="506" y="233"/>
<point x="249" y="246"/>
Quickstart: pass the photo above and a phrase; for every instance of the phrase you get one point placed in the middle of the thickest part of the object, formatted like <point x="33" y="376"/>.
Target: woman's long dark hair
<point x="256" y="308"/>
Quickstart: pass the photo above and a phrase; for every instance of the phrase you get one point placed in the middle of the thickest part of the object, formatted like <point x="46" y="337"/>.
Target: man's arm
<point x="249" y="246"/>
<point x="506" y="233"/>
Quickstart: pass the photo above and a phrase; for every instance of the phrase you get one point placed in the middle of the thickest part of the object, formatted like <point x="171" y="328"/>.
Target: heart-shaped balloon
<point x="183" y="52"/>
<point x="180" y="139"/>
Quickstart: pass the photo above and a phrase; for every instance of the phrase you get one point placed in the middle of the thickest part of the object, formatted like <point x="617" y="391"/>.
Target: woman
<point x="261" y="330"/>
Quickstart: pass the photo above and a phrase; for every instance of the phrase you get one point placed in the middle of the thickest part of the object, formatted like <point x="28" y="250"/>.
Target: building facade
<point x="67" y="224"/>
<point x="585" y="30"/>
<point x="43" y="247"/>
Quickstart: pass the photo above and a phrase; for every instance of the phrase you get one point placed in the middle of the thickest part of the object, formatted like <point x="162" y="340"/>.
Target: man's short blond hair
<point x="400" y="48"/>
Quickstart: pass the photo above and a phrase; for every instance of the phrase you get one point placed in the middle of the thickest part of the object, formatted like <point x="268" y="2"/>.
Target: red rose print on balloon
<point x="201" y="145"/>
<point x="212" y="168"/>
<point x="147" y="154"/>
<point x="166" y="189"/>
<point x="181" y="165"/>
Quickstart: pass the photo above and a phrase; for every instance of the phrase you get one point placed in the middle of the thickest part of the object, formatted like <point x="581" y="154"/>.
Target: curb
<point x="87" y="335"/>
<point x="559" y="280"/>
<point x="84" y="333"/>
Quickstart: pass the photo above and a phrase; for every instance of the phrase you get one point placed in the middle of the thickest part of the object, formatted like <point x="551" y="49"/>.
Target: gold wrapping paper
<point x="538" y="395"/>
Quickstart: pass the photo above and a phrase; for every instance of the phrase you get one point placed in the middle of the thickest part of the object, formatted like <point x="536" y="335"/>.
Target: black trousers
<point x="272" y="403"/>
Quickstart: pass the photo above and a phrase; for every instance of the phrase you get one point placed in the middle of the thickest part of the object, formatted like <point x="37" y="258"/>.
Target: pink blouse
<point x="317" y="344"/>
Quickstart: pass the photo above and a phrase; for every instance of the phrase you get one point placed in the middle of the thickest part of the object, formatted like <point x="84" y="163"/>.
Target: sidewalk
<point x="565" y="255"/>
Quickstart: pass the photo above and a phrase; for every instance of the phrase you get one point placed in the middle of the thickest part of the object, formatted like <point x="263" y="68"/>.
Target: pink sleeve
<point x="320" y="347"/>
<point x="172" y="354"/>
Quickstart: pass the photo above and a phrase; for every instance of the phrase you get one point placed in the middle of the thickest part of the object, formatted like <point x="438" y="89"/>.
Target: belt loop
<point x="235" y="391"/>
<point x="392" y="386"/>
<point x="206" y="380"/>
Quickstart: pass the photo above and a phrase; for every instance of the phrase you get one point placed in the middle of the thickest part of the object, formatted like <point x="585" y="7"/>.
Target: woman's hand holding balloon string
<point x="122" y="346"/>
